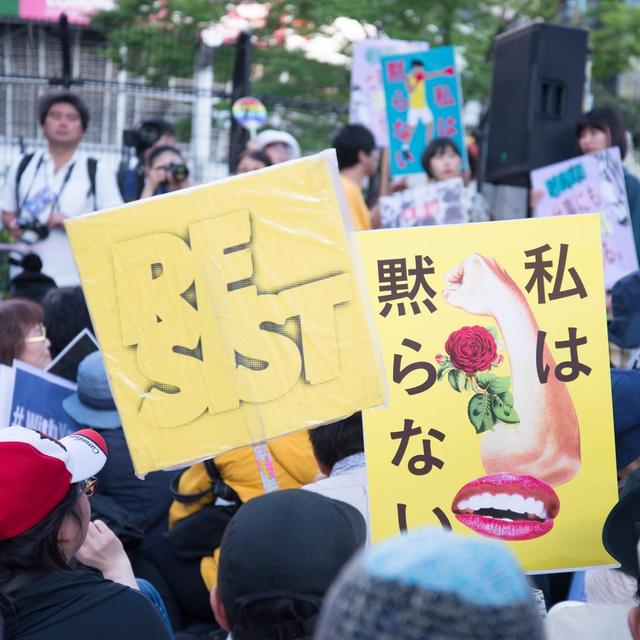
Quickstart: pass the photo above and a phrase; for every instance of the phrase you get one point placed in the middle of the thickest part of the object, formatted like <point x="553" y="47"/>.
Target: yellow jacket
<point x="294" y="465"/>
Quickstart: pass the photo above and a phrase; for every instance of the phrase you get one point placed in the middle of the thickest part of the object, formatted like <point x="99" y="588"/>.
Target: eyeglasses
<point x="88" y="487"/>
<point x="41" y="338"/>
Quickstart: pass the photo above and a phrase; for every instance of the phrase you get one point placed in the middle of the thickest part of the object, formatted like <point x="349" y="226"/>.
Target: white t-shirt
<point x="42" y="192"/>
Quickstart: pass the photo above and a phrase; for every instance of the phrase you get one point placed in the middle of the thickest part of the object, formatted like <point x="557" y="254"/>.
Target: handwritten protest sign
<point x="592" y="183"/>
<point x="424" y="101"/>
<point x="33" y="398"/>
<point x="437" y="203"/>
<point x="230" y="313"/>
<point x="367" y="103"/>
<point x="499" y="420"/>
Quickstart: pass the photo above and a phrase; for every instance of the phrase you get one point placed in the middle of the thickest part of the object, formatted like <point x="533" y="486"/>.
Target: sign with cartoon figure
<point x="499" y="420"/>
<point x="436" y="203"/>
<point x="367" y="103"/>
<point x="230" y="313"/>
<point x="424" y="101"/>
<point x="593" y="182"/>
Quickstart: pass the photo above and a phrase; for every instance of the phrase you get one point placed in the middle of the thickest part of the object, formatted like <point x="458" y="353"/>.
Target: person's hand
<point x="398" y="185"/>
<point x="14" y="228"/>
<point x="56" y="219"/>
<point x="479" y="285"/>
<point x="535" y="197"/>
<point x="103" y="550"/>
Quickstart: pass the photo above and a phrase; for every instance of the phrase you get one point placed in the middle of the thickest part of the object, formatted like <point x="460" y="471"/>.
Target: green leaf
<point x="494" y="332"/>
<point x="485" y="379"/>
<point x="502" y="405"/>
<point x="480" y="413"/>
<point x="443" y="368"/>
<point x="499" y="384"/>
<point x="456" y="379"/>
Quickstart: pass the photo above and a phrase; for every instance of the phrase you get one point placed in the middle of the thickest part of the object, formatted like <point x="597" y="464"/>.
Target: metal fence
<point x="30" y="63"/>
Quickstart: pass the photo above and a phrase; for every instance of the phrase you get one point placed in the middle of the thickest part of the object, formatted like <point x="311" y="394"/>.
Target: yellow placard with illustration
<point x="229" y="314"/>
<point x="499" y="420"/>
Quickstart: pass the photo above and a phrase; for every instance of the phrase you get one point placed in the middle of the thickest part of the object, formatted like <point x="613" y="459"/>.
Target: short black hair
<point x="162" y="149"/>
<point x="350" y="141"/>
<point x="161" y="126"/>
<point x="47" y="101"/>
<point x="436" y="148"/>
<point x="417" y="63"/>
<point x="65" y="316"/>
<point x="338" y="440"/>
<point x="278" y="618"/>
<point x="605" y="119"/>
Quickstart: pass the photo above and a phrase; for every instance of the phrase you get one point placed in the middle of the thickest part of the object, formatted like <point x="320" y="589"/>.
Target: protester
<point x="166" y="171"/>
<point x="357" y="160"/>
<point x="613" y="614"/>
<point x="279" y="555"/>
<point x="45" y="188"/>
<point x="624" y="322"/>
<point x="252" y="161"/>
<point x="431" y="585"/>
<point x="598" y="130"/>
<point x="279" y="146"/>
<point x="30" y="283"/>
<point x="22" y="333"/>
<point x="150" y="134"/>
<point x="442" y="160"/>
<point x="184" y="566"/>
<point x="65" y="316"/>
<point x="339" y="451"/>
<point x="44" y="523"/>
<point x="145" y="502"/>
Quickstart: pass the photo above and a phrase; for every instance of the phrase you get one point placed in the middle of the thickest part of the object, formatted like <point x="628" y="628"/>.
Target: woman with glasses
<point x="45" y="486"/>
<point x="22" y="333"/>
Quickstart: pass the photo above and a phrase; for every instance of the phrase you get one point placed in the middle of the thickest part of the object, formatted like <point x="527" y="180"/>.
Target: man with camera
<point x="45" y="188"/>
<point x="166" y="171"/>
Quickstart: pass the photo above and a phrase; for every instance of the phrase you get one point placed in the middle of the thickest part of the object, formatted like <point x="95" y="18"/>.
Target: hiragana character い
<point x="420" y="464"/>
<point x="400" y="372"/>
<point x="566" y="371"/>
<point x="401" y="510"/>
<point x="540" y="272"/>
<point x="393" y="281"/>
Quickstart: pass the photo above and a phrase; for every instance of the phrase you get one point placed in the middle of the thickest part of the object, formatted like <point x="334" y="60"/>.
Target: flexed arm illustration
<point x="546" y="442"/>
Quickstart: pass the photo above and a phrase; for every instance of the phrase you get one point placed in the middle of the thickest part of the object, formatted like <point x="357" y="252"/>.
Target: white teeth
<point x="504" y="502"/>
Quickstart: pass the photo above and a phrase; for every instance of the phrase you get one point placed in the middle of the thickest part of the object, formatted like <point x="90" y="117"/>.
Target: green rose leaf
<point x="502" y="405"/>
<point x="480" y="413"/>
<point x="485" y="379"/>
<point x="443" y="368"/>
<point x="499" y="384"/>
<point x="456" y="379"/>
<point x="494" y="332"/>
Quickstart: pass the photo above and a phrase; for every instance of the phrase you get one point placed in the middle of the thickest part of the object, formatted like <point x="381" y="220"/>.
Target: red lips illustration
<point x="507" y="506"/>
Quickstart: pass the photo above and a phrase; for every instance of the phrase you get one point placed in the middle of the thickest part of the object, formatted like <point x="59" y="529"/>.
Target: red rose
<point x="471" y="349"/>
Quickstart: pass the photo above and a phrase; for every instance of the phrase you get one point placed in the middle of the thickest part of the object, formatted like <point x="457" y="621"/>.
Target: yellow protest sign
<point x="499" y="420"/>
<point x="228" y="314"/>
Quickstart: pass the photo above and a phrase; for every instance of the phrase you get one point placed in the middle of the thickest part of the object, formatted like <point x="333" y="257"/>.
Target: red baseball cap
<point x="36" y="472"/>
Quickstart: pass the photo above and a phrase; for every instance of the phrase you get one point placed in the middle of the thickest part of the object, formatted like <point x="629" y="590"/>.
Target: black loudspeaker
<point x="536" y="99"/>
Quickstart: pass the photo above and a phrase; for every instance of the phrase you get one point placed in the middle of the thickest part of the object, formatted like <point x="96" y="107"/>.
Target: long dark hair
<point x="37" y="551"/>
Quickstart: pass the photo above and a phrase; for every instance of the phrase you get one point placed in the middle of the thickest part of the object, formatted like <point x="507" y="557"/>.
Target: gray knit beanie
<point x="431" y="585"/>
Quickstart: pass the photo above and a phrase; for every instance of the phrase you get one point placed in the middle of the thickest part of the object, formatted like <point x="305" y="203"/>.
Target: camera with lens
<point x="143" y="137"/>
<point x="179" y="172"/>
<point x="32" y="230"/>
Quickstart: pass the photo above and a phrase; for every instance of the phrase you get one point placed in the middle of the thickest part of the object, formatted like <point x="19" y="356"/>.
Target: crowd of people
<point x="88" y="549"/>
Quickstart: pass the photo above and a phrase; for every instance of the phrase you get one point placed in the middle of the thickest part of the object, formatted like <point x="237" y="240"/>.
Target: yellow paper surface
<point x="228" y="314"/>
<point x="543" y="443"/>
